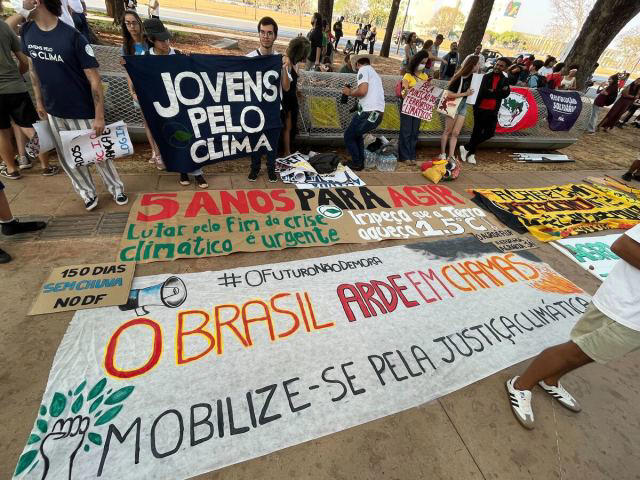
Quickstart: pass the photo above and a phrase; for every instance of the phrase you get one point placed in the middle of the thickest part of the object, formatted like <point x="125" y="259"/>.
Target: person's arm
<point x="23" y="62"/>
<point x="407" y="51"/>
<point x="98" y="98"/>
<point x="284" y="74"/>
<point x="37" y="92"/>
<point x="84" y="7"/>
<point x="627" y="249"/>
<point x="361" y="91"/>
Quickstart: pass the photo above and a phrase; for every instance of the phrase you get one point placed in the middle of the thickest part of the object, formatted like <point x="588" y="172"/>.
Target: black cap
<point x="154" y="27"/>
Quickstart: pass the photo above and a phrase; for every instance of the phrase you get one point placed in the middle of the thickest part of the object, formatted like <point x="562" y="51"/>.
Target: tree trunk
<point x="115" y="9"/>
<point x="606" y="19"/>
<point x="391" y="24"/>
<point x="325" y="8"/>
<point x="475" y="27"/>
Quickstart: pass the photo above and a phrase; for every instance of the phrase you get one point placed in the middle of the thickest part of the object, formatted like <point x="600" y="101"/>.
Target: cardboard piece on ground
<point x="493" y="235"/>
<point x="514" y="244"/>
<point x="592" y="253"/>
<point x="79" y="287"/>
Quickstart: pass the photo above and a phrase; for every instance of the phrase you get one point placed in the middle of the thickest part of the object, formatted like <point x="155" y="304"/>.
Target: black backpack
<point x="325" y="162"/>
<point x="542" y="81"/>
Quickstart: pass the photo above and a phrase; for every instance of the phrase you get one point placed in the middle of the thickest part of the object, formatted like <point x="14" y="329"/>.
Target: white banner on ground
<point x="45" y="136"/>
<point x="297" y="170"/>
<point x="591" y="253"/>
<point x="261" y="358"/>
<point x="84" y="147"/>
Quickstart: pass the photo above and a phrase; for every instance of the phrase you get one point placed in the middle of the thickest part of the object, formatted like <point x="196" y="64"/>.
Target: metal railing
<point x="324" y="119"/>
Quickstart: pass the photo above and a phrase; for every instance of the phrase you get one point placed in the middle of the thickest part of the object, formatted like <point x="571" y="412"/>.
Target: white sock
<point x="8" y="221"/>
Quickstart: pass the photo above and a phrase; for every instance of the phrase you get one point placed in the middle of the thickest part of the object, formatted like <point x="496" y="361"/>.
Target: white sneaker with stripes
<point x="560" y="394"/>
<point x="520" y="403"/>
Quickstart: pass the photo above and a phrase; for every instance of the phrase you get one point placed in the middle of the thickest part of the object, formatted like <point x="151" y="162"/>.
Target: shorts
<point x="462" y="108"/>
<point x="17" y="107"/>
<point x="602" y="338"/>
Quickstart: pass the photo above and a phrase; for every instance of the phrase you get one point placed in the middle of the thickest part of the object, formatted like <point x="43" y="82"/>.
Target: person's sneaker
<point x="121" y="199"/>
<point x="4" y="257"/>
<point x="50" y="171"/>
<point x="560" y="394"/>
<point x="271" y="173"/>
<point x="91" y="203"/>
<point x="443" y="156"/>
<point x="253" y="175"/>
<point x="24" y="163"/>
<point x="627" y="177"/>
<point x="463" y="153"/>
<point x="184" y="179"/>
<point x="32" y="147"/>
<point x="159" y="163"/>
<point x="10" y="175"/>
<point x="201" y="181"/>
<point x="15" y="226"/>
<point x="471" y="159"/>
<point x="520" y="403"/>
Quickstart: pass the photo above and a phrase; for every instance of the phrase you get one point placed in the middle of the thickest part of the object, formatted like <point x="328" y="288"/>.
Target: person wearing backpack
<point x="607" y="94"/>
<point x="535" y="80"/>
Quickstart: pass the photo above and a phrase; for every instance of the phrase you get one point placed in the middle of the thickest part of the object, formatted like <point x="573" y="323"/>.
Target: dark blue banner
<point x="203" y="109"/>
<point x="563" y="108"/>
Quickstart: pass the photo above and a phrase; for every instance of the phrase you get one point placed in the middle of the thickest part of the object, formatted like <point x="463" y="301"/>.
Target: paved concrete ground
<point x="469" y="434"/>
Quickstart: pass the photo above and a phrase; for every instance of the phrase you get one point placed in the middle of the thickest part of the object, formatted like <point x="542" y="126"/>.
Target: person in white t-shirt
<point x="371" y="103"/>
<point x="79" y="16"/>
<point x="607" y="330"/>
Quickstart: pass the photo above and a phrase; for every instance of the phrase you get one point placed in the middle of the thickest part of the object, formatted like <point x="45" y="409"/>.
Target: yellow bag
<point x="436" y="172"/>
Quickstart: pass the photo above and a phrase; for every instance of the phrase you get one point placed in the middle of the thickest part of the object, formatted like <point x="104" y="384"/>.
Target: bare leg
<point x="453" y="138"/>
<point x="5" y="211"/>
<point x="286" y="139"/>
<point x="155" y="152"/>
<point x="6" y="149"/>
<point x="448" y="127"/>
<point x="21" y="139"/>
<point x="551" y="364"/>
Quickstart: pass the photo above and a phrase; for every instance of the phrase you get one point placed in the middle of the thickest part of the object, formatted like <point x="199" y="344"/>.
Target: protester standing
<point x="435" y="51"/>
<point x="16" y="107"/>
<point x="315" y="36"/>
<point x="607" y="330"/>
<point x="153" y="9"/>
<point x="458" y="87"/>
<point x="449" y="63"/>
<point x="409" y="125"/>
<point x="371" y="105"/>
<point x="555" y="79"/>
<point x="607" y="94"/>
<point x="53" y="81"/>
<point x="79" y="15"/>
<point x="297" y="51"/>
<point x="629" y="94"/>
<point x="547" y="68"/>
<point x="535" y="80"/>
<point x="493" y="89"/>
<point x="337" y="30"/>
<point x="372" y="39"/>
<point x="358" y="42"/>
<point x="410" y="50"/>
<point x="513" y="74"/>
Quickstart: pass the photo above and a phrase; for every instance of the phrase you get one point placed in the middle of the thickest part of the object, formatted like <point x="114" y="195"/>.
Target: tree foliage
<point x="568" y="17"/>
<point x="446" y="20"/>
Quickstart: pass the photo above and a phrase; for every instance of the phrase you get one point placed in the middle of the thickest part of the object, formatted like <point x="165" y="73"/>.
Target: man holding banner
<point x="68" y="88"/>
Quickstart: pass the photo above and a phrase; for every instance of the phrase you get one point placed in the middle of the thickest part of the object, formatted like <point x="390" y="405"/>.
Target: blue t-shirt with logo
<point x="59" y="57"/>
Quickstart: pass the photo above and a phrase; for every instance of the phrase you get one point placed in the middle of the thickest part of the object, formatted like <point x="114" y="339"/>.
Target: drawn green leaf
<point x="108" y="415"/>
<point x="97" y="389"/>
<point x="182" y="136"/>
<point x="33" y="466"/>
<point x="77" y="405"/>
<point x="42" y="425"/>
<point x="25" y="461"/>
<point x="118" y="396"/>
<point x="80" y="387"/>
<point x="95" y="404"/>
<point x="86" y="448"/>
<point x="43" y="410"/>
<point x="95" y="438"/>
<point x="58" y="402"/>
<point x="333" y="210"/>
<point x="33" y="438"/>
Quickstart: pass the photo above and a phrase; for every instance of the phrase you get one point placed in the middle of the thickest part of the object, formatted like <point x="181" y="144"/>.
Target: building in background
<point x="504" y="15"/>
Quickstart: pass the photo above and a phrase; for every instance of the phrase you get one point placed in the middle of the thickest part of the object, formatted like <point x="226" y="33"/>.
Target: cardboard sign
<point x="79" y="287"/>
<point x="559" y="211"/>
<point x="165" y="226"/>
<point x="45" y="136"/>
<point x="84" y="147"/>
<point x="514" y="244"/>
<point x="421" y="100"/>
<point x="203" y="109"/>
<point x="476" y="81"/>
<point x="593" y="254"/>
<point x="261" y="358"/>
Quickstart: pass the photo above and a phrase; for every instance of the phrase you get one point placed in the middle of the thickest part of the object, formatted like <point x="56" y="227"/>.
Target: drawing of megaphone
<point x="171" y="293"/>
